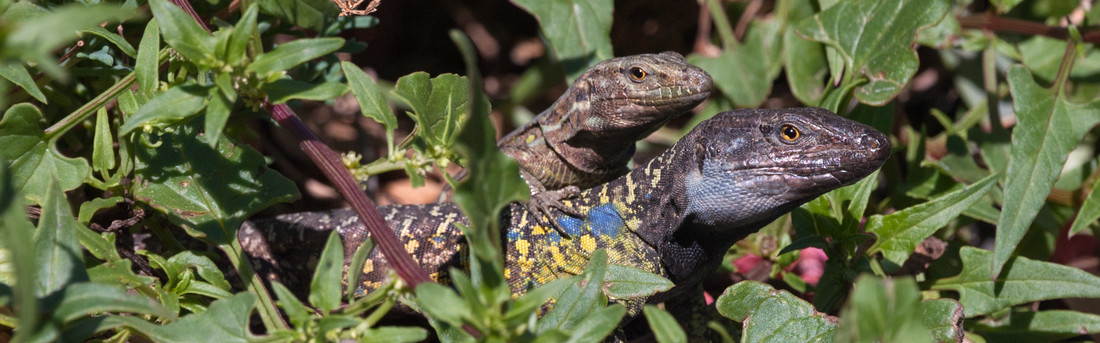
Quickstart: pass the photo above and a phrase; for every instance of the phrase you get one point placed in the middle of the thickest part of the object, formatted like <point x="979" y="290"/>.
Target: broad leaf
<point x="943" y="317"/>
<point x="743" y="75"/>
<point x="16" y="256"/>
<point x="597" y="324"/>
<point x="175" y="106"/>
<point x="1022" y="281"/>
<point x="371" y="102"/>
<point x="900" y="232"/>
<point x="290" y="54"/>
<point x="875" y="39"/>
<point x="226" y="319"/>
<point x="34" y="159"/>
<point x="883" y="310"/>
<point x="1049" y="127"/>
<point x="623" y="282"/>
<point x="439" y="108"/>
<point x="83" y="299"/>
<point x="325" y="288"/>
<point x="771" y="315"/>
<point x="577" y="302"/>
<point x="442" y="303"/>
<point x="208" y="192"/>
<point x="579" y="31"/>
<point x="17" y="74"/>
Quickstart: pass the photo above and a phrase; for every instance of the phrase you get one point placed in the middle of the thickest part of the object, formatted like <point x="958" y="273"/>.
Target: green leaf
<point x="806" y="68"/>
<point x="173" y="107"/>
<point x="883" y="310"/>
<point x="184" y="34"/>
<point x="17" y="74"/>
<point x="1041" y="326"/>
<point x="578" y="301"/>
<point x="442" y="303"/>
<point x="206" y="191"/>
<point x="355" y="268"/>
<point x="1022" y="281"/>
<point x="1048" y="127"/>
<point x="771" y="315"/>
<point x="15" y="232"/>
<point x="900" y="232"/>
<point x="102" y="246"/>
<point x="118" y="272"/>
<point x="579" y="31"/>
<point x="290" y="54"/>
<point x="597" y="325"/>
<point x="742" y="74"/>
<point x="58" y="256"/>
<point x="440" y="106"/>
<point x="297" y="312"/>
<point x="37" y="34"/>
<point x="114" y="38"/>
<point x="201" y="264"/>
<point x="943" y="317"/>
<point x="535" y="298"/>
<point x="236" y="51"/>
<point x="665" y="328"/>
<point x="624" y="282"/>
<point x="226" y="319"/>
<point x="875" y="39"/>
<point x="395" y="334"/>
<point x="325" y="288"/>
<point x="217" y="114"/>
<point x="1089" y="212"/>
<point x="283" y="90"/>
<point x="35" y="160"/>
<point x="1003" y="6"/>
<point x="146" y="66"/>
<point x="84" y="299"/>
<point x="311" y="14"/>
<point x="103" y="151"/>
<point x="371" y="102"/>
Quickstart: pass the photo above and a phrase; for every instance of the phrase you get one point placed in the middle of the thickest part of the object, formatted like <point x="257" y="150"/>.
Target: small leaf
<point x="17" y="74"/>
<point x="184" y="34"/>
<point x="173" y="107"/>
<point x="284" y="90"/>
<point x="535" y="298"/>
<point x="103" y="151"/>
<point x="217" y="114"/>
<point x="1041" y="326"/>
<point x="875" y="39"/>
<point x="58" y="257"/>
<point x="237" y="46"/>
<point x="900" y="232"/>
<point x="1089" y="212"/>
<point x="442" y="303"/>
<point x="883" y="310"/>
<point x="226" y="319"/>
<point x="371" y="102"/>
<point x="439" y="106"/>
<point x="84" y="299"/>
<point x="1022" y="281"/>
<point x="146" y="66"/>
<point x="395" y="334"/>
<point x="297" y="312"/>
<point x="665" y="328"/>
<point x="1049" y="127"/>
<point x="355" y="268"/>
<point x="114" y="38"/>
<point x="579" y="31"/>
<point x="576" y="302"/>
<point x="597" y="325"/>
<point x="624" y="282"/>
<point x="290" y="54"/>
<point x="325" y="288"/>
<point x="35" y="160"/>
<point x="771" y="315"/>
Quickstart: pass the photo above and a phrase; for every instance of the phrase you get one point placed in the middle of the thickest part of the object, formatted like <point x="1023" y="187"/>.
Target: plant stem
<point x="268" y="313"/>
<point x="722" y="22"/>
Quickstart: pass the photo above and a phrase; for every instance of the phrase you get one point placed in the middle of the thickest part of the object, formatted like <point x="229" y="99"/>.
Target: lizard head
<point x="751" y="166"/>
<point x="641" y="92"/>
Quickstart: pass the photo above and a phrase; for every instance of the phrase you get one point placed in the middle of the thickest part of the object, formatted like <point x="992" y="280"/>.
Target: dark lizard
<point x="675" y="217"/>
<point x="587" y="136"/>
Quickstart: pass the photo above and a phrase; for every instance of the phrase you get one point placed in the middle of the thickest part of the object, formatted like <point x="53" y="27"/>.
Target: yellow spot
<point x="522" y="245"/>
<point x="530" y="138"/>
<point x="538" y="230"/>
<point x="588" y="244"/>
<point x="368" y="267"/>
<point x="411" y="247"/>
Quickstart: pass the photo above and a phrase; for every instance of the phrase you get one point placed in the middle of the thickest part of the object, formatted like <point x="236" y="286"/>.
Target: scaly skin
<point x="587" y="136"/>
<point x="675" y="217"/>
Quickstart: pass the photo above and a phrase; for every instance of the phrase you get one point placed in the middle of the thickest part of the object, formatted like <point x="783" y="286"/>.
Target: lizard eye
<point x="789" y="132"/>
<point x="638" y="73"/>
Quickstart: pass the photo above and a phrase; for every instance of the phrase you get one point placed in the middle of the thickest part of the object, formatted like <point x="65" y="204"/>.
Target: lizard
<point x="587" y="136"/>
<point x="675" y="216"/>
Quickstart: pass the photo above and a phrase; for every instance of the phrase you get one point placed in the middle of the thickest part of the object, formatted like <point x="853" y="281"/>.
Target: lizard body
<point x="675" y="217"/>
<point x="587" y="136"/>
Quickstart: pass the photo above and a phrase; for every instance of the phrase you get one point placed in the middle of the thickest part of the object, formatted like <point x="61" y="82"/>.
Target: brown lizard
<point x="587" y="136"/>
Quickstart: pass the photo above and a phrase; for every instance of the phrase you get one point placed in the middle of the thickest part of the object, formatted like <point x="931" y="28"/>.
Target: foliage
<point x="158" y="133"/>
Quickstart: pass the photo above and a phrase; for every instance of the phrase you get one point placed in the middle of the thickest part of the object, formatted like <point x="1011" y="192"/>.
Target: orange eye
<point x="789" y="132"/>
<point x="637" y="73"/>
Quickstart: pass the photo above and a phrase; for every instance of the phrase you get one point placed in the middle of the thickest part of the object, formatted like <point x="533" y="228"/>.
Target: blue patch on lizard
<point x="571" y="226"/>
<point x="605" y="220"/>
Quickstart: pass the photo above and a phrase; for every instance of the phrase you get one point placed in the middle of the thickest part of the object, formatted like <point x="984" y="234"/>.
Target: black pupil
<point x="789" y="132"/>
<point x="638" y="73"/>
